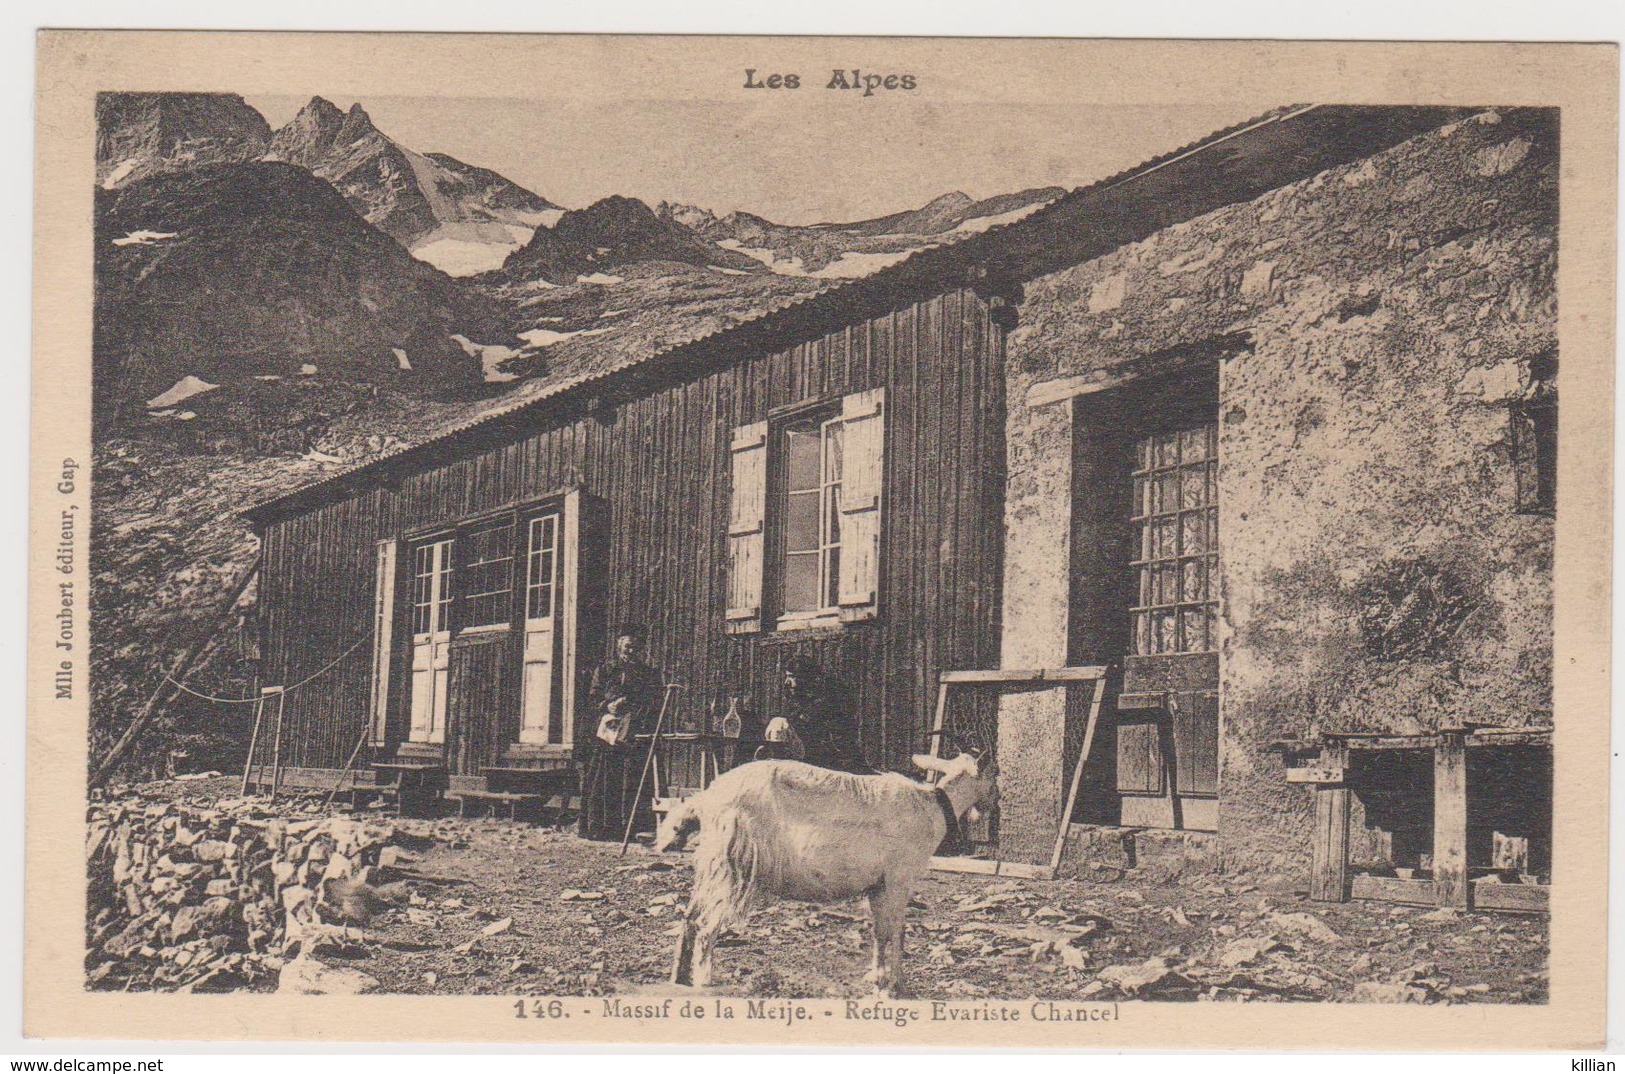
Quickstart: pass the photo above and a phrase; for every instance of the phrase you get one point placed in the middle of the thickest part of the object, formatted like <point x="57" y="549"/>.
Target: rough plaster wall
<point x="1037" y="552"/>
<point x="1375" y="575"/>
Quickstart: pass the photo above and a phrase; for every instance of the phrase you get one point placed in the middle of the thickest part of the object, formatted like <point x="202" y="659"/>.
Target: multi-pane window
<point x="488" y="575"/>
<point x="542" y="566"/>
<point x="812" y="515"/>
<point x="431" y="587"/>
<point x="1176" y="518"/>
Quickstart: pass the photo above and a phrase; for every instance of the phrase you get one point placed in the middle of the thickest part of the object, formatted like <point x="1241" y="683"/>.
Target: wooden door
<point x="1168" y="736"/>
<point x="431" y="639"/>
<point x="540" y="723"/>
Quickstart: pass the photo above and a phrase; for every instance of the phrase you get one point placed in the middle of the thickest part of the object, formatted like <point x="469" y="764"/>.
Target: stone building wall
<point x="1376" y="574"/>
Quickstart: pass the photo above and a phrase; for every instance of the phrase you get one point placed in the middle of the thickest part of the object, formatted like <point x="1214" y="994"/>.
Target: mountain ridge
<point x="457" y="216"/>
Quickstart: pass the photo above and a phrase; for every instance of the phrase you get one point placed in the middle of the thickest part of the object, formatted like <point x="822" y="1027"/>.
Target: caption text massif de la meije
<point x="64" y="613"/>
<point x="791" y="1012"/>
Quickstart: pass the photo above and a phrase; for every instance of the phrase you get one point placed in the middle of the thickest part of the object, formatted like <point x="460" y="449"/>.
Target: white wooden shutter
<point x="745" y="518"/>
<point x="863" y="416"/>
<point x="570" y="591"/>
<point x="383" y="616"/>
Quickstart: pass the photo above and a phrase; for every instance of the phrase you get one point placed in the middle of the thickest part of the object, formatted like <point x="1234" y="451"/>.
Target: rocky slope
<point x="236" y="274"/>
<point x="455" y="216"/>
<point x="144" y="134"/>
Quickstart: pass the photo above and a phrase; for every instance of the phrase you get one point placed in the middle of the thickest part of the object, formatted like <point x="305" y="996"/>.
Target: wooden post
<point x="1450" y="820"/>
<point x="1330" y="853"/>
<point x="253" y="739"/>
<point x="648" y="762"/>
<point x="366" y="733"/>
<point x="1077" y="775"/>
<point x="942" y="713"/>
<point x="276" y="747"/>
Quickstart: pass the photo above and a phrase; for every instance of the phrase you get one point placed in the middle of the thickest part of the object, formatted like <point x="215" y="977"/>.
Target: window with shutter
<point x="804" y="521"/>
<point x="746" y="519"/>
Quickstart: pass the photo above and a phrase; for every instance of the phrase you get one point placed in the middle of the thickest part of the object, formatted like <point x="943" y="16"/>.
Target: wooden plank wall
<point x="314" y="605"/>
<point x="660" y="464"/>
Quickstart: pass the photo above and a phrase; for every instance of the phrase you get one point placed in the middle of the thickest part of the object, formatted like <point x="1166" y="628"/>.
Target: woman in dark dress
<point x="628" y="689"/>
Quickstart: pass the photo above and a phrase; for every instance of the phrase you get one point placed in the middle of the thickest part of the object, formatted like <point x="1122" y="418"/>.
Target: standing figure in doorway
<point x="824" y="717"/>
<point x="622" y="700"/>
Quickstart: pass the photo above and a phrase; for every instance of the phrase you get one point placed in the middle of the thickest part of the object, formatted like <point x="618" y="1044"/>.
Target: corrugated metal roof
<point x="922" y="269"/>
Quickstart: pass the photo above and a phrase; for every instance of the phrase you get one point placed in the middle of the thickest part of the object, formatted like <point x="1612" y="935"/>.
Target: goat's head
<point x="961" y="773"/>
<point x="679" y="823"/>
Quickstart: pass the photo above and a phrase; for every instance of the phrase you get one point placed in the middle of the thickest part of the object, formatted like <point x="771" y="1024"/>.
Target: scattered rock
<point x="1306" y="924"/>
<point x="1246" y="951"/>
<point x="305" y="976"/>
<point x="1152" y="975"/>
<point x="394" y="857"/>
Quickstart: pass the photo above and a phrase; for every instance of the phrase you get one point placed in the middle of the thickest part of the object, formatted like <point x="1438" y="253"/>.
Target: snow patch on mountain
<point x="181" y="390"/>
<point x="491" y="356"/>
<point x="462" y="257"/>
<point x="118" y="174"/>
<point x="144" y="238"/>
<point x="546" y="337"/>
<point x="784" y="267"/>
<point x="979" y="224"/>
<point x="851" y="265"/>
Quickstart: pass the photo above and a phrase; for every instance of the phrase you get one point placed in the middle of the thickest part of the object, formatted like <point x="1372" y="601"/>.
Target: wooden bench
<point x="413" y="785"/>
<point x="511" y="799"/>
<point x="552" y="783"/>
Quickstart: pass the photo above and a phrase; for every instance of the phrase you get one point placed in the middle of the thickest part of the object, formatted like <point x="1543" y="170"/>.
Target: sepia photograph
<point x="828" y="550"/>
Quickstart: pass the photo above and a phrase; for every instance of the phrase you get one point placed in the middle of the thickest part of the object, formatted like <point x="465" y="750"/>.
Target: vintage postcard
<point x="820" y="541"/>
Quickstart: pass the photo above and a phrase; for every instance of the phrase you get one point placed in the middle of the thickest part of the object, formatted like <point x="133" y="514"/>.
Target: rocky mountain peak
<point x="142" y="134"/>
<point x="357" y="125"/>
<point x="310" y="135"/>
<point x="616" y="230"/>
<point x="689" y="216"/>
<point x="956" y="199"/>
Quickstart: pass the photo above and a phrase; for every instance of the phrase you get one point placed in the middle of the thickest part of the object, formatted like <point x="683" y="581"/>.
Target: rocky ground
<point x="460" y="907"/>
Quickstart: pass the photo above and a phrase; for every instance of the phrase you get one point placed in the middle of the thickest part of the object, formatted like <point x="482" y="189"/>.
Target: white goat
<point x="784" y="829"/>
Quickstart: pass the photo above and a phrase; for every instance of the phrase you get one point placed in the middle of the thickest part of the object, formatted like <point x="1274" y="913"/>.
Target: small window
<point x="812" y="516"/>
<point x="431" y="590"/>
<point x="488" y="576"/>
<point x="541" y="581"/>
<point x="1176" y="515"/>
